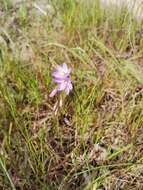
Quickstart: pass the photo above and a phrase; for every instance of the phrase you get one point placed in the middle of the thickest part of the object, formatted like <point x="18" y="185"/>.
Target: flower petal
<point x="67" y="91"/>
<point x="58" y="80"/>
<point x="53" y="93"/>
<point x="70" y="86"/>
<point x="62" y="86"/>
<point x="55" y="74"/>
<point x="59" y="75"/>
<point x="65" y="67"/>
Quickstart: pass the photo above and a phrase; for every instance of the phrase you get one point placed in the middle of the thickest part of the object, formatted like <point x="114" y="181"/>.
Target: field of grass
<point x="94" y="140"/>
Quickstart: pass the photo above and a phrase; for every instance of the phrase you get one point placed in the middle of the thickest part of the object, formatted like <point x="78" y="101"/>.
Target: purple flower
<point x="62" y="79"/>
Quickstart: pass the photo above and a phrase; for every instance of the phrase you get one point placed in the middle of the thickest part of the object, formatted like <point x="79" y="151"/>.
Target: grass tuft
<point x="94" y="140"/>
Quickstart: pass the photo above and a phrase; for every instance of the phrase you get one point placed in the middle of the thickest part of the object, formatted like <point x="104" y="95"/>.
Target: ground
<point x="91" y="139"/>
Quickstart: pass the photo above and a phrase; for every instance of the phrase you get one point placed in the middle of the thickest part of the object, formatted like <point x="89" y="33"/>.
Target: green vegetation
<point x="95" y="139"/>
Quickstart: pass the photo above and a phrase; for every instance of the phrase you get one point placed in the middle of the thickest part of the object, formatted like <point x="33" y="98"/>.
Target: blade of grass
<point x="7" y="175"/>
